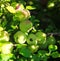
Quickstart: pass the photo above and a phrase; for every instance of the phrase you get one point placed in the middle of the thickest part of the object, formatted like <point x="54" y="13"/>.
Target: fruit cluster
<point x="20" y="40"/>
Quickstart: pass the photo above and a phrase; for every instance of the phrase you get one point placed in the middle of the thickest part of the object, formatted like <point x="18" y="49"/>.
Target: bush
<point x="25" y="34"/>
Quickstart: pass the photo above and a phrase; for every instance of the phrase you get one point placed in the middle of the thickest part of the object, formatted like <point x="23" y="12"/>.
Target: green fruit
<point x="51" y="40"/>
<point x="52" y="47"/>
<point x="6" y="48"/>
<point x="21" y="15"/>
<point x="41" y="37"/>
<point x="31" y="39"/>
<point x="19" y="6"/>
<point x="20" y="37"/>
<point x="4" y="36"/>
<point x="26" y="26"/>
<point x="33" y="48"/>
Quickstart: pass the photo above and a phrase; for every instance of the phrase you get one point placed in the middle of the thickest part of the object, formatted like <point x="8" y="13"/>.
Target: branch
<point x="54" y="34"/>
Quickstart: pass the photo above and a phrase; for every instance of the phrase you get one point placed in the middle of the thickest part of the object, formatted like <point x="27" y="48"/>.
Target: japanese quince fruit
<point x="26" y="26"/>
<point x="20" y="37"/>
<point x="4" y="36"/>
<point x="19" y="6"/>
<point x="33" y="48"/>
<point x="21" y="13"/>
<point x="52" y="48"/>
<point x="41" y="37"/>
<point x="51" y="40"/>
<point x="31" y="39"/>
<point x="6" y="48"/>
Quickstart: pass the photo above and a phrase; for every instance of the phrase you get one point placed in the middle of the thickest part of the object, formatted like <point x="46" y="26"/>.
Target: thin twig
<point x="54" y="34"/>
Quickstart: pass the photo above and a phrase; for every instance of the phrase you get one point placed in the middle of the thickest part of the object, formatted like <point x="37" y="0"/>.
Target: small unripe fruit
<point x="52" y="47"/>
<point x="6" y="48"/>
<point x="26" y="26"/>
<point x="20" y="37"/>
<point x="33" y="48"/>
<point x="31" y="39"/>
<point x="51" y="40"/>
<point x="41" y="37"/>
<point x="21" y="13"/>
<point x="4" y="36"/>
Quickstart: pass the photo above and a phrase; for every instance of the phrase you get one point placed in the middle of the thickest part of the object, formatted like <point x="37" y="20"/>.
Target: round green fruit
<point x="41" y="37"/>
<point x="33" y="48"/>
<point x="43" y="46"/>
<point x="4" y="36"/>
<point x="6" y="48"/>
<point x="20" y="37"/>
<point x="21" y="15"/>
<point x="51" y="40"/>
<point x="31" y="39"/>
<point x="52" y="47"/>
<point x="23" y="10"/>
<point x="26" y="26"/>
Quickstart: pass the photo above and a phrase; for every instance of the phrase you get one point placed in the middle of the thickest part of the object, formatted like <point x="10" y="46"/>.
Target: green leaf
<point x="21" y="45"/>
<point x="6" y="57"/>
<point x="30" y="7"/>
<point x="10" y="9"/>
<point x="42" y="55"/>
<point x="35" y="58"/>
<point x="1" y="14"/>
<point x="1" y="28"/>
<point x="51" y="5"/>
<point x="55" y="54"/>
<point x="25" y="52"/>
<point x="7" y="0"/>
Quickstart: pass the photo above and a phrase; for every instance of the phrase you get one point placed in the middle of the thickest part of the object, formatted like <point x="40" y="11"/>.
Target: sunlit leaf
<point x="30" y="7"/>
<point x="10" y="9"/>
